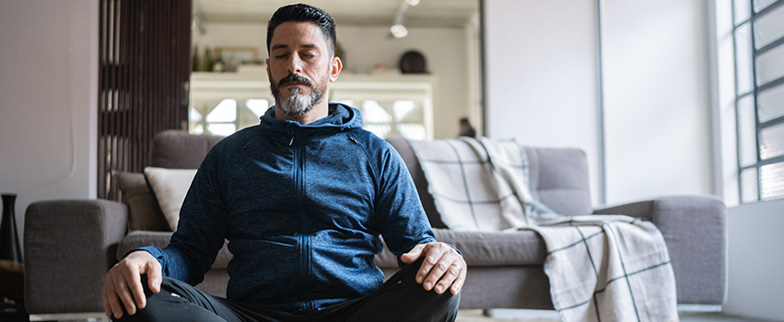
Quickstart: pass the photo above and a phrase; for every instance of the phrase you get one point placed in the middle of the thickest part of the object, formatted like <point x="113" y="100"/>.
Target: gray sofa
<point x="70" y="244"/>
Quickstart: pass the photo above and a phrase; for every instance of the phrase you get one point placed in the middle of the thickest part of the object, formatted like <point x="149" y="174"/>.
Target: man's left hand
<point x="442" y="268"/>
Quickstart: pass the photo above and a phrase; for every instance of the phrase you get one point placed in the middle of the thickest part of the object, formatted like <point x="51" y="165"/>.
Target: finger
<point x="430" y="259"/>
<point x="154" y="276"/>
<point x="438" y="271"/>
<point x="448" y="278"/>
<point x="134" y="283"/>
<point x="457" y="286"/>
<point x="114" y="300"/>
<point x="121" y="288"/>
<point x="111" y="302"/>
<point x="432" y="253"/>
<point x="107" y="309"/>
<point x="413" y="254"/>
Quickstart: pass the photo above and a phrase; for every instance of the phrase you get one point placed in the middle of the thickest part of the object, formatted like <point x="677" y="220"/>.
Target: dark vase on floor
<point x="9" y="242"/>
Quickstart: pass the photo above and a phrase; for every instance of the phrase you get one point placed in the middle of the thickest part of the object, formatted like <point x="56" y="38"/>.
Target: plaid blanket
<point x="601" y="268"/>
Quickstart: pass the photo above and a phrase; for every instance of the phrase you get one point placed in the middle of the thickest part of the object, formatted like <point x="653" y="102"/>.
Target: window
<point x="758" y="34"/>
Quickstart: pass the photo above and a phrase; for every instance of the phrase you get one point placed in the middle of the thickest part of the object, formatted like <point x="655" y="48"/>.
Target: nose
<point x="295" y="65"/>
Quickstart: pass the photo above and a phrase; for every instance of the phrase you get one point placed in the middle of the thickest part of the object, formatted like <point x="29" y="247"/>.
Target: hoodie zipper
<point x="303" y="238"/>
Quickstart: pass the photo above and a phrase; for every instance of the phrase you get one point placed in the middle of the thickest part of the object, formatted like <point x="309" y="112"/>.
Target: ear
<point x="335" y="67"/>
<point x="267" y="63"/>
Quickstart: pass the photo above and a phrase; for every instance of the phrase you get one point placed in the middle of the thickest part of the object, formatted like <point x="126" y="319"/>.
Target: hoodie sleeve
<point x="201" y="228"/>
<point x="404" y="223"/>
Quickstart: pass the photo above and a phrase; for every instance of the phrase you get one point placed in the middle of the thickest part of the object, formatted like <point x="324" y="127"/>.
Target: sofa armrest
<point x="69" y="245"/>
<point x="695" y="232"/>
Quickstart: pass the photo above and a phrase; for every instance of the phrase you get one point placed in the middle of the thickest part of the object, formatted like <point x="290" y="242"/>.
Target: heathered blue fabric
<point x="302" y="208"/>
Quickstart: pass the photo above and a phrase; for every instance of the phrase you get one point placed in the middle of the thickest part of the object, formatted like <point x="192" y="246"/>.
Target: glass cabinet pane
<point x="769" y="27"/>
<point x="747" y="133"/>
<point x="770" y="103"/>
<point x="742" y="10"/>
<point x="772" y="141"/>
<point x="772" y="181"/>
<point x="743" y="59"/>
<point x="748" y="182"/>
<point x="762" y="4"/>
<point x="770" y="65"/>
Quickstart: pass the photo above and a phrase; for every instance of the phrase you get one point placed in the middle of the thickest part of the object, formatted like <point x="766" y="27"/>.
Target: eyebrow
<point x="283" y="46"/>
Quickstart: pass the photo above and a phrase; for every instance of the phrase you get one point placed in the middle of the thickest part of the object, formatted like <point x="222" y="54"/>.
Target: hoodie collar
<point x="341" y="117"/>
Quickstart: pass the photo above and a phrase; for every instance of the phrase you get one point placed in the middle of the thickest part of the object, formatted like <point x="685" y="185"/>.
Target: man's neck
<point x="319" y="111"/>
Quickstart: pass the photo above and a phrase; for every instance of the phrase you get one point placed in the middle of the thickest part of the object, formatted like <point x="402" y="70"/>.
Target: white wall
<point x="756" y="260"/>
<point x="48" y="100"/>
<point x="656" y="92"/>
<point x="542" y="75"/>
<point x="365" y="46"/>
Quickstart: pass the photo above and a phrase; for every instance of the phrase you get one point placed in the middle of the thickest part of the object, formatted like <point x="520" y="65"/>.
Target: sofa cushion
<point x="170" y="187"/>
<point x="144" y="213"/>
<point x="516" y="248"/>
<point x="161" y="239"/>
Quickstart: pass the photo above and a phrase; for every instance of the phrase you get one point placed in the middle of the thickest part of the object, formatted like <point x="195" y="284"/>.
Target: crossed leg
<point x="400" y="298"/>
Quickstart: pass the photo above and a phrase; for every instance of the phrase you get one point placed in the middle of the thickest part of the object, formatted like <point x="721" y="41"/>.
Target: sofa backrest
<point x="558" y="176"/>
<point x="176" y="149"/>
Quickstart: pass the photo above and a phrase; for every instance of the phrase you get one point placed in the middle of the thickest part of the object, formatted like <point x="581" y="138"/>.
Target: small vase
<point x="9" y="242"/>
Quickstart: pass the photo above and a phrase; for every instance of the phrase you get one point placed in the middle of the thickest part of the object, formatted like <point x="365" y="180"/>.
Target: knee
<point x="156" y="303"/>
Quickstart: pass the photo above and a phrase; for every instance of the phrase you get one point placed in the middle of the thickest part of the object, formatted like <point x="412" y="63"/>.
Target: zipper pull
<point x="291" y="133"/>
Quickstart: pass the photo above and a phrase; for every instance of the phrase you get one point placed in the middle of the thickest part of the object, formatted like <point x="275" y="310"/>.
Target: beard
<point x="296" y="104"/>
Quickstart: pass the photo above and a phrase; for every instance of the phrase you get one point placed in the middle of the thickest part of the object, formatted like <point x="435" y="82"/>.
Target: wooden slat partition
<point x="144" y="50"/>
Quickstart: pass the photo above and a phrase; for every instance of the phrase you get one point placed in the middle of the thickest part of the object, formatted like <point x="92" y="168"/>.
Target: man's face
<point x="299" y="66"/>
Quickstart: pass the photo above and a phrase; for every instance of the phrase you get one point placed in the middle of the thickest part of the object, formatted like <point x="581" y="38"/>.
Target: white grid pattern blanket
<point x="601" y="268"/>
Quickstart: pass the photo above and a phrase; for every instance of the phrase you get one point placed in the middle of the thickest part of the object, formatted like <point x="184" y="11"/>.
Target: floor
<point x="544" y="316"/>
<point x="551" y="316"/>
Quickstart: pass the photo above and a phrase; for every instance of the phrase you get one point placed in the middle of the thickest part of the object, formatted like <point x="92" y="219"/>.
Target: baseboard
<point x="87" y="316"/>
<point x="699" y="308"/>
<point x="516" y="314"/>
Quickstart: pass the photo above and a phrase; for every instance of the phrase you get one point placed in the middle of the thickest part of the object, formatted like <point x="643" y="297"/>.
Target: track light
<point x="398" y="31"/>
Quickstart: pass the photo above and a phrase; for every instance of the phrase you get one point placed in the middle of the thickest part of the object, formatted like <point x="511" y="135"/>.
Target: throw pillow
<point x="143" y="211"/>
<point x="169" y="187"/>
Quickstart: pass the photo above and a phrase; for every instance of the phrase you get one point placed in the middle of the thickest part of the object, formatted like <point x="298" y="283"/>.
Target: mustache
<point x="294" y="78"/>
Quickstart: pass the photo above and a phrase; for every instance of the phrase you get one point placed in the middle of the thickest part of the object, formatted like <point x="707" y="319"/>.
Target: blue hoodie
<point x="302" y="207"/>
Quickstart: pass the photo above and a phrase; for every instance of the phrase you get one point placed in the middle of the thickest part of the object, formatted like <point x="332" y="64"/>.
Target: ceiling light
<point x="412" y="3"/>
<point x="398" y="31"/>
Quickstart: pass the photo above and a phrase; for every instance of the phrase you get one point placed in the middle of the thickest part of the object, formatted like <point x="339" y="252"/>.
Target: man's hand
<point x="123" y="283"/>
<point x="441" y="268"/>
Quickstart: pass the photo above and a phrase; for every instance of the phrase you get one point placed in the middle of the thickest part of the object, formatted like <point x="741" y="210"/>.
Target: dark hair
<point x="304" y="13"/>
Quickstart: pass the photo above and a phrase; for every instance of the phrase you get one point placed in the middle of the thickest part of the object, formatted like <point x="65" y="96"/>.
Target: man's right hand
<point x="123" y="286"/>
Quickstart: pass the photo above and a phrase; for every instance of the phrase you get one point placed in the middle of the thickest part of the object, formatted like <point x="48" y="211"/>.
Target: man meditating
<point x="303" y="199"/>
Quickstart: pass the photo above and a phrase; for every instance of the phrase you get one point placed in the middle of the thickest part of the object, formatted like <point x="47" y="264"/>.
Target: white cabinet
<point x="391" y="105"/>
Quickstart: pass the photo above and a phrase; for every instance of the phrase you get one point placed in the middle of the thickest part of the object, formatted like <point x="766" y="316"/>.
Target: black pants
<point x="399" y="299"/>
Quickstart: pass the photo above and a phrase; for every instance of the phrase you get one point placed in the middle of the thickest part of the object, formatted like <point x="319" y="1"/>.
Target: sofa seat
<point x="519" y="248"/>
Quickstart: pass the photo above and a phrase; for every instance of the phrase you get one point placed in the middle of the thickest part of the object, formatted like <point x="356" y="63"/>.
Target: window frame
<point x="755" y="90"/>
